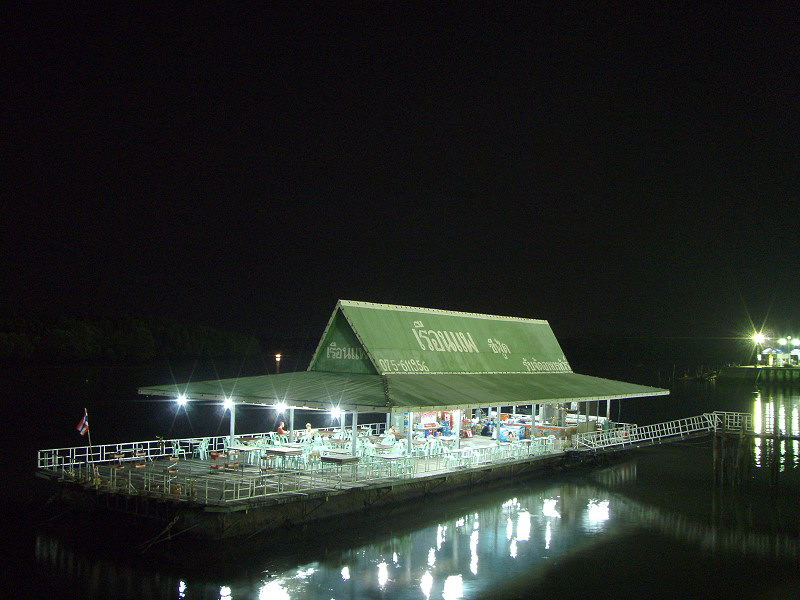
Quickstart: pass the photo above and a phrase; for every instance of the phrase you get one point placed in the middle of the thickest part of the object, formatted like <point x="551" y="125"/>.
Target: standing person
<point x="309" y="432"/>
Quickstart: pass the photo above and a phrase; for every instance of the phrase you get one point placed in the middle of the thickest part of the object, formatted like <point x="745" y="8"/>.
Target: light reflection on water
<point x="460" y="557"/>
<point x="467" y="548"/>
<point x="776" y="411"/>
<point x="466" y="555"/>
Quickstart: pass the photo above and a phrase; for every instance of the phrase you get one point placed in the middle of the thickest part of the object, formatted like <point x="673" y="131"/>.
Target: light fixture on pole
<point x="278" y="363"/>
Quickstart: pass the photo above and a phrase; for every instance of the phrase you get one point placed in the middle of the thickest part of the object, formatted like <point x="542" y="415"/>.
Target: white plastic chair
<point x="177" y="450"/>
<point x="201" y="451"/>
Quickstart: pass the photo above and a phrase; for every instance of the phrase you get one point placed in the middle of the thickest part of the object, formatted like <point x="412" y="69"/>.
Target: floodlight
<point x="182" y="399"/>
<point x="336" y="412"/>
<point x="782" y="342"/>
<point x="759" y="338"/>
<point x="281" y="407"/>
<point x="228" y="403"/>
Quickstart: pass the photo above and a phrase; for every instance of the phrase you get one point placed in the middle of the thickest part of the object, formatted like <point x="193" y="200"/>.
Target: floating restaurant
<point x="412" y="389"/>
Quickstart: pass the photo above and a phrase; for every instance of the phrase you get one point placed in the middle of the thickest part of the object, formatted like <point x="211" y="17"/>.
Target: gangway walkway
<point x="719" y="421"/>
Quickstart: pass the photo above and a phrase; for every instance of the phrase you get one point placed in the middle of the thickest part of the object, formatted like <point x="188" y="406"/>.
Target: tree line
<point x="123" y="339"/>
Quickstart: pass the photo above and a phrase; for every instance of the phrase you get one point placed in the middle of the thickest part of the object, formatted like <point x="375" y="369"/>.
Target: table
<point x="461" y="456"/>
<point x="383" y="447"/>
<point x="522" y="447"/>
<point x="428" y="429"/>
<point x="418" y="445"/>
<point x="283" y="452"/>
<point x="394" y="459"/>
<point x="247" y="452"/>
<point x="339" y="459"/>
<point x="447" y="440"/>
<point x="190" y="445"/>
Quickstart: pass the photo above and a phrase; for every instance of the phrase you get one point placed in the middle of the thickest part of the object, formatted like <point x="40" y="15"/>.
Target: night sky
<point x="630" y="171"/>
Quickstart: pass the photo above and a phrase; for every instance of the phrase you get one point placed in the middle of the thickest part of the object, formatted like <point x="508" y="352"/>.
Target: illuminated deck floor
<point x="194" y="480"/>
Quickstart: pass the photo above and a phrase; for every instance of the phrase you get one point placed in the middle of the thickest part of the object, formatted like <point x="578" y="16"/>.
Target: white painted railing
<point x="302" y="474"/>
<point x="634" y="434"/>
<point x="733" y="422"/>
<point x="55" y="458"/>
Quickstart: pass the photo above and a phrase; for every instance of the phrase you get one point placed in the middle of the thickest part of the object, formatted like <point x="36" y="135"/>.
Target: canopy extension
<point x="385" y="358"/>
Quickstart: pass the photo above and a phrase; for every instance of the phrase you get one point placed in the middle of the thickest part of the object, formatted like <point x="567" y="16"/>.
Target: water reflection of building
<point x="776" y="417"/>
<point x="466" y="554"/>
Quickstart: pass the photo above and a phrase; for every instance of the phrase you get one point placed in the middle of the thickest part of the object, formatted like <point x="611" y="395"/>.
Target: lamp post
<point x="758" y="340"/>
<point x="229" y="405"/>
<point x="277" y="363"/>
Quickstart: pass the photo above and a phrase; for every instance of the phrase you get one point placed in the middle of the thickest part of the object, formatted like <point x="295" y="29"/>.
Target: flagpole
<point x="88" y="430"/>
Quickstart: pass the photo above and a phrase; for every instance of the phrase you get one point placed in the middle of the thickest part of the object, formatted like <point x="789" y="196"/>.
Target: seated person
<point x="281" y="429"/>
<point x="389" y="436"/>
<point x="309" y="432"/>
<point x="512" y="436"/>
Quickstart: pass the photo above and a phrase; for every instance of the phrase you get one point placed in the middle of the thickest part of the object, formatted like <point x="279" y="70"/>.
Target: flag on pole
<point x="83" y="426"/>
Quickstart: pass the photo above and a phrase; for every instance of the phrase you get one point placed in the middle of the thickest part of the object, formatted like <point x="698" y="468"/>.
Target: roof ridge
<point x="420" y="309"/>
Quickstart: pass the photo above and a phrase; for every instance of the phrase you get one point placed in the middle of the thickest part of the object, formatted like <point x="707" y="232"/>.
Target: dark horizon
<point x="626" y="173"/>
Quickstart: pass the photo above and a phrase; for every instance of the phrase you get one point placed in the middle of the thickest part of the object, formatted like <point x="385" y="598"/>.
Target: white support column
<point x="388" y="421"/>
<point x="233" y="423"/>
<point x="608" y="409"/>
<point x="457" y="419"/>
<point x="497" y="427"/>
<point x="354" y="441"/>
<point x="409" y="432"/>
<point x="291" y="424"/>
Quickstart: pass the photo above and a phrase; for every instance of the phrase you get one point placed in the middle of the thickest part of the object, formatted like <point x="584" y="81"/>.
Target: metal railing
<point x="55" y="458"/>
<point x="733" y="422"/>
<point x="297" y="475"/>
<point x="634" y="434"/>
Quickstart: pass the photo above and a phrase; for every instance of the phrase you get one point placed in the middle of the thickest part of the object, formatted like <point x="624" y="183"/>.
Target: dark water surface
<point x="649" y="525"/>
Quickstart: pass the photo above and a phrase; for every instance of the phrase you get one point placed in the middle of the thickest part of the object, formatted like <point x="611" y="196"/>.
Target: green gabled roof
<point x="379" y="358"/>
<point x="464" y="391"/>
<point x="376" y="393"/>
<point x="362" y="337"/>
<point x="300" y="389"/>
